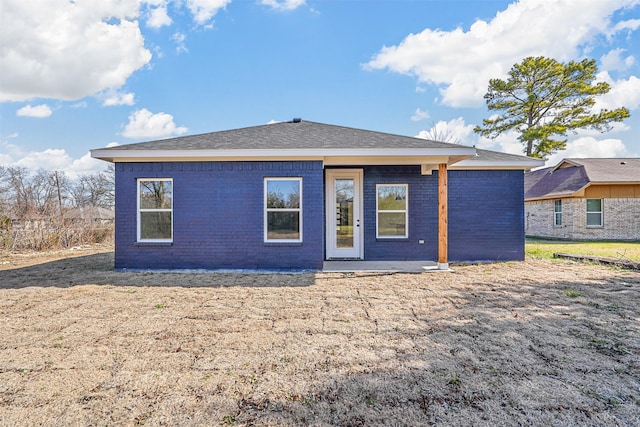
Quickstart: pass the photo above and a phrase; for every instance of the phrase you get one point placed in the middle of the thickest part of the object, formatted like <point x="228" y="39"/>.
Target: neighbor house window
<point x="155" y="210"/>
<point x="594" y="212"/>
<point x="392" y="210"/>
<point x="557" y="212"/>
<point x="283" y="209"/>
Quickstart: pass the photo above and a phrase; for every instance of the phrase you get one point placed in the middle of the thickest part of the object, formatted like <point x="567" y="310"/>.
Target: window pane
<point x="155" y="225"/>
<point x="594" y="205"/>
<point x="558" y="212"/>
<point x="344" y="189"/>
<point x="391" y="224"/>
<point x="594" y="218"/>
<point x="156" y="194"/>
<point x="283" y="225"/>
<point x="392" y="197"/>
<point x="283" y="194"/>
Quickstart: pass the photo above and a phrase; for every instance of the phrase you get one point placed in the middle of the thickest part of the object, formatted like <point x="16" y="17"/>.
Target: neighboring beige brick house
<point x="584" y="199"/>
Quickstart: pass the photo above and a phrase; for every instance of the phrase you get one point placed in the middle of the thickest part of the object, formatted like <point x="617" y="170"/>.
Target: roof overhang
<point x="525" y="164"/>
<point x="330" y="157"/>
<point x="580" y="192"/>
<point x="458" y="157"/>
<point x="551" y="196"/>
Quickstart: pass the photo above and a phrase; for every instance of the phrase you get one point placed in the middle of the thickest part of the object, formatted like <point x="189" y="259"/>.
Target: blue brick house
<point x="288" y="196"/>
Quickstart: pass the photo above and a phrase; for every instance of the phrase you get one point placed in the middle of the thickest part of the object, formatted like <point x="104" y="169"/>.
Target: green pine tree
<point x="543" y="99"/>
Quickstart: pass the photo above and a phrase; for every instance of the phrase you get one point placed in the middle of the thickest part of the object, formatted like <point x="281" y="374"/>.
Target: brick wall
<point x="621" y="220"/>
<point x="486" y="215"/>
<point x="423" y="215"/>
<point x="219" y="216"/>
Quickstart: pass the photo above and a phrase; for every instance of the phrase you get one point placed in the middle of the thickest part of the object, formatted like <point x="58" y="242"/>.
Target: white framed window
<point x="392" y="210"/>
<point x="594" y="213"/>
<point x="557" y="213"/>
<point x="155" y="209"/>
<point x="283" y="209"/>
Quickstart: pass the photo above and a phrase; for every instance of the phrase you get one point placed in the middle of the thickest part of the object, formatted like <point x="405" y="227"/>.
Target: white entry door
<point x="344" y="213"/>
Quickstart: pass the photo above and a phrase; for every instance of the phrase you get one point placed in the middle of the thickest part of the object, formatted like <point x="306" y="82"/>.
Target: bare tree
<point x="16" y="177"/>
<point x="36" y="208"/>
<point x="95" y="190"/>
<point x="439" y="133"/>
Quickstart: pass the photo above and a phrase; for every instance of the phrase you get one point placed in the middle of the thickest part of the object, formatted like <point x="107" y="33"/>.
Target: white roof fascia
<point x="290" y="154"/>
<point x="386" y="160"/>
<point x="498" y="164"/>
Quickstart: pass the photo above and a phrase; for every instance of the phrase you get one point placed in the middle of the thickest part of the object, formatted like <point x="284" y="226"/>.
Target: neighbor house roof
<point x="602" y="171"/>
<point x="303" y="140"/>
<point x="572" y="175"/>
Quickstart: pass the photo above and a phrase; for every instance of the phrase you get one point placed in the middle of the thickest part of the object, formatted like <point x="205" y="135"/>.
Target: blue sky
<point x="86" y="74"/>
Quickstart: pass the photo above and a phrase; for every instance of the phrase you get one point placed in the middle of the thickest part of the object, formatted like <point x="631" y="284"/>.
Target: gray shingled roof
<point x="497" y="156"/>
<point x="571" y="175"/>
<point x="609" y="170"/>
<point x="300" y="136"/>
<point x="286" y="135"/>
<point x="550" y="182"/>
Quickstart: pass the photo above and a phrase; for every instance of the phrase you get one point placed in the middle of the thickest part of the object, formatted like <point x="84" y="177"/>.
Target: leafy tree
<point x="543" y="99"/>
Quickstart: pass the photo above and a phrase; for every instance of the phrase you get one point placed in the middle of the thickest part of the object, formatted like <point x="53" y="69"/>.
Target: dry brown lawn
<point x="533" y="343"/>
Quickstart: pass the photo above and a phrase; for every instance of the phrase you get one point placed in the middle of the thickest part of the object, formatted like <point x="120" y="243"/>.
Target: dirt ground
<point x="533" y="343"/>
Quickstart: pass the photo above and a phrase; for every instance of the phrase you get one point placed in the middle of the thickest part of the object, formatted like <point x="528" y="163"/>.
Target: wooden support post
<point x="443" y="262"/>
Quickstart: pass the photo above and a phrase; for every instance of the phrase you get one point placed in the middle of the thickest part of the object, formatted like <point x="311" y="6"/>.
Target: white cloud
<point x="613" y="60"/>
<point x="204" y="10"/>
<point x="631" y="24"/>
<point x="420" y="115"/>
<point x="112" y="97"/>
<point x="179" y="39"/>
<point x="462" y="62"/>
<point x="507" y="143"/>
<point x="589" y="147"/>
<point x="580" y="146"/>
<point x="144" y="124"/>
<point x="623" y="93"/>
<point x="51" y="159"/>
<point x="283" y="4"/>
<point x="157" y="16"/>
<point x="454" y="131"/>
<point x="39" y="111"/>
<point x="68" y="50"/>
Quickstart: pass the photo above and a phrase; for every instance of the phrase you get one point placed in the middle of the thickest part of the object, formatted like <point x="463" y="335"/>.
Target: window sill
<point x="282" y="243"/>
<point x="392" y="239"/>
<point x="153" y="244"/>
<point x="595" y="226"/>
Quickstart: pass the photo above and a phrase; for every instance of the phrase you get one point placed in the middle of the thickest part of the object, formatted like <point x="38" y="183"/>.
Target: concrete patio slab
<point x="339" y="266"/>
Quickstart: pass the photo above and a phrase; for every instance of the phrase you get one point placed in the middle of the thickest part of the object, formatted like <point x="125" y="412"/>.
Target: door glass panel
<point x="344" y="213"/>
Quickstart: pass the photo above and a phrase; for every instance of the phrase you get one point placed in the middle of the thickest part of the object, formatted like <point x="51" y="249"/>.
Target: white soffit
<point x="329" y="156"/>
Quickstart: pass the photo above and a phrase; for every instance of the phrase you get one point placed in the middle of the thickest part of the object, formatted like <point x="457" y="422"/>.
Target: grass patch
<point x="571" y="293"/>
<point x="538" y="248"/>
